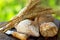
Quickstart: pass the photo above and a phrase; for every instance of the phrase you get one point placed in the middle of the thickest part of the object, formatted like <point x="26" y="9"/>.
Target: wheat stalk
<point x="30" y="11"/>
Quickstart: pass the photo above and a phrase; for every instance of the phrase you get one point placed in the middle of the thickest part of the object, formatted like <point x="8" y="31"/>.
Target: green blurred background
<point x="9" y="8"/>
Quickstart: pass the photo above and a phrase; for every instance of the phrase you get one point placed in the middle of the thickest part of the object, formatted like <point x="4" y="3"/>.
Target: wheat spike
<point x="30" y="11"/>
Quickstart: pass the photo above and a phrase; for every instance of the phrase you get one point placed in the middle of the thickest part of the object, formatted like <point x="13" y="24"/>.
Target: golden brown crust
<point x="19" y="36"/>
<point x="48" y="29"/>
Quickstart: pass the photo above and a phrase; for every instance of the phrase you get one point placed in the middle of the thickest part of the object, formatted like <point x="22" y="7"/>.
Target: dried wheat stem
<point x="20" y="16"/>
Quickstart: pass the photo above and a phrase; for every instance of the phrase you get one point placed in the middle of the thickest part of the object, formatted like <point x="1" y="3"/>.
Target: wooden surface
<point x="57" y="37"/>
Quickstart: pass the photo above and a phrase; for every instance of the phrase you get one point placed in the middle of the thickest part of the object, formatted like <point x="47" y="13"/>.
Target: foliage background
<point x="9" y="8"/>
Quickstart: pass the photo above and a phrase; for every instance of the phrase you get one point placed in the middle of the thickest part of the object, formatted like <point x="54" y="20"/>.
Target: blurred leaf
<point x="9" y="8"/>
